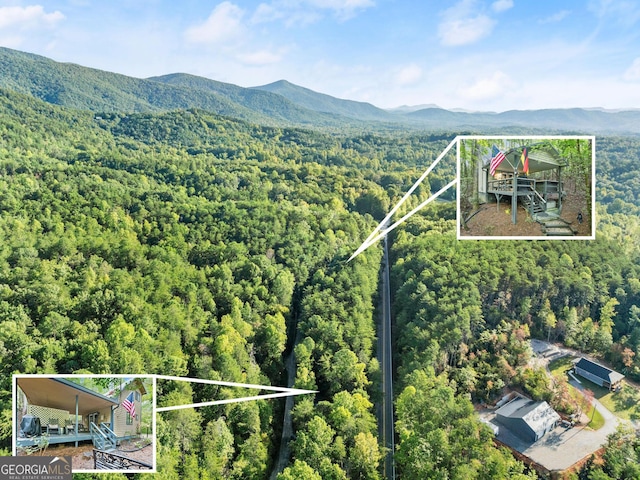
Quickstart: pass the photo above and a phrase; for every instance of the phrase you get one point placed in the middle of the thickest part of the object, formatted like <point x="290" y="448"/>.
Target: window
<point x="138" y="396"/>
<point x="129" y="419"/>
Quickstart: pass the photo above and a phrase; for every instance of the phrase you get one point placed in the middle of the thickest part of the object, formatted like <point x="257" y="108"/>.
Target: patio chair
<point x="53" y="427"/>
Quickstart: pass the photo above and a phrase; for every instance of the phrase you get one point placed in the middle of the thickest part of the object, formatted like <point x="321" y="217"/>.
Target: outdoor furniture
<point x="53" y="426"/>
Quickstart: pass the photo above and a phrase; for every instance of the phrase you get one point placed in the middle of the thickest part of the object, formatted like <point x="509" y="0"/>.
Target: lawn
<point x="561" y="365"/>
<point x="597" y="420"/>
<point x="625" y="403"/>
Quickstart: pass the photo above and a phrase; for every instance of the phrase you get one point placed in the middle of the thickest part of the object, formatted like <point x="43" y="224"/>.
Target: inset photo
<point x="540" y="187"/>
<point x="104" y="423"/>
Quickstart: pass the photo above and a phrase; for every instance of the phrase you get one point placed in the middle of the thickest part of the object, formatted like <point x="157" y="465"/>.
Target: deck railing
<point x="111" y="435"/>
<point x="541" y="187"/>
<point x="100" y="438"/>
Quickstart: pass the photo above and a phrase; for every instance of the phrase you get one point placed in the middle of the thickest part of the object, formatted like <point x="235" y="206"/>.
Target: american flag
<point x="129" y="406"/>
<point x="496" y="159"/>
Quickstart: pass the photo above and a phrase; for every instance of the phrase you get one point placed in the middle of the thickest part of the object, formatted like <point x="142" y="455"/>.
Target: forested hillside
<point x="186" y="243"/>
<point x="279" y="104"/>
<point x="85" y="88"/>
<point x="465" y="310"/>
<point x="193" y="245"/>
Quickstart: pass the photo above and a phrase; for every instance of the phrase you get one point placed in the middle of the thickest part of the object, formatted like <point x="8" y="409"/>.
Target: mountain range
<point x="280" y="103"/>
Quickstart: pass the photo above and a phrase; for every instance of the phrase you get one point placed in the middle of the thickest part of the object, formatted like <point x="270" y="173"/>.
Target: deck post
<point x="514" y="197"/>
<point x="559" y="191"/>
<point x="112" y="423"/>
<point x="75" y="431"/>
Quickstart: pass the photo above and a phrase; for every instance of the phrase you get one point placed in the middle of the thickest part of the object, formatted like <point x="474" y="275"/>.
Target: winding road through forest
<point x="385" y="357"/>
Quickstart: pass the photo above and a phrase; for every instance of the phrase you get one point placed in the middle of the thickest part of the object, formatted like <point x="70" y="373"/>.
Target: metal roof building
<point x="598" y="374"/>
<point x="527" y="418"/>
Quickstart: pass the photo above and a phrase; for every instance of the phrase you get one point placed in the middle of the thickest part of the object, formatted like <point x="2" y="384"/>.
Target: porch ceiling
<point x="60" y="393"/>
<point x="542" y="156"/>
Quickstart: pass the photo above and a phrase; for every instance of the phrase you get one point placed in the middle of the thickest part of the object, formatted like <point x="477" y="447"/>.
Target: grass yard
<point x="625" y="403"/>
<point x="597" y="420"/>
<point x="561" y="365"/>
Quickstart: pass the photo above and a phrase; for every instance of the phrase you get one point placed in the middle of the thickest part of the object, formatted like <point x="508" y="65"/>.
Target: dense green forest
<point x="465" y="310"/>
<point x="190" y="244"/>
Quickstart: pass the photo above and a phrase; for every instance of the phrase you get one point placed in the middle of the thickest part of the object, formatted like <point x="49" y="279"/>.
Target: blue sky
<point x="479" y="55"/>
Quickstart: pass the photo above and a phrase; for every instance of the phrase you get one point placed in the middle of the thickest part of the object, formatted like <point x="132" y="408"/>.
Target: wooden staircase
<point x="532" y="203"/>
<point x="557" y="227"/>
<point x="102" y="436"/>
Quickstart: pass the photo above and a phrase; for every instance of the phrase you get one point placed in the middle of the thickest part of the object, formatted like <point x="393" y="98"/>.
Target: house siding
<point x="590" y="376"/>
<point x="121" y="429"/>
<point x="519" y="427"/>
<point x="104" y="416"/>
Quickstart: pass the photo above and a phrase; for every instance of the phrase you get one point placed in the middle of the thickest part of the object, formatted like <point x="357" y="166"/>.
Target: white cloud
<point x="623" y="12"/>
<point x="488" y="88"/>
<point x="463" y="24"/>
<point x="408" y="75"/>
<point x="224" y="24"/>
<point x="260" y="57"/>
<point x="343" y="9"/>
<point x="556" y="17"/>
<point x="267" y="13"/>
<point x="502" y="5"/>
<point x="31" y="17"/>
<point x="633" y="72"/>
<point x="464" y="31"/>
<point x="304" y="12"/>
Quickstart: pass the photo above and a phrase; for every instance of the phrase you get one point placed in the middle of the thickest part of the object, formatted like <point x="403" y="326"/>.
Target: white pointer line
<point x="368" y="241"/>
<point x="419" y="207"/>
<point x="233" y="384"/>
<point x="231" y="400"/>
<point x="282" y="392"/>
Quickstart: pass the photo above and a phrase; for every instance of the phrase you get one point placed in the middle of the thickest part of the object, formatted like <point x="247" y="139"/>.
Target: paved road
<point x="385" y="359"/>
<point x="287" y="427"/>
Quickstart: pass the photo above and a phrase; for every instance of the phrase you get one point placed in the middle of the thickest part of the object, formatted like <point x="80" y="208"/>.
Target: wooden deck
<point x="55" y="439"/>
<point x="525" y="186"/>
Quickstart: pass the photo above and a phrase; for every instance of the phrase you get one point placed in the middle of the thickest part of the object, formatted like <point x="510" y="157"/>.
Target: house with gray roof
<point x="598" y="374"/>
<point x="528" y="419"/>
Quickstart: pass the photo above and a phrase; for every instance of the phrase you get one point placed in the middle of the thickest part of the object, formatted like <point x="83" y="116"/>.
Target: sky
<point x="481" y="55"/>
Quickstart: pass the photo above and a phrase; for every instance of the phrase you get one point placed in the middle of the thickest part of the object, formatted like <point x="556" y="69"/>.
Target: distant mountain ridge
<point x="84" y="88"/>
<point x="326" y="103"/>
<point x="279" y="103"/>
<point x="567" y="120"/>
<point x="264" y="102"/>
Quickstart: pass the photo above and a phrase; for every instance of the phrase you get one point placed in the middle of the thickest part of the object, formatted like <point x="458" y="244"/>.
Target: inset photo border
<point x="526" y="188"/>
<point x="106" y="423"/>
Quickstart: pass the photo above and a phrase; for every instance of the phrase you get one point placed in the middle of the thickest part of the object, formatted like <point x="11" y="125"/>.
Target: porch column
<point x="514" y="197"/>
<point x="560" y="189"/>
<point x="76" y="427"/>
